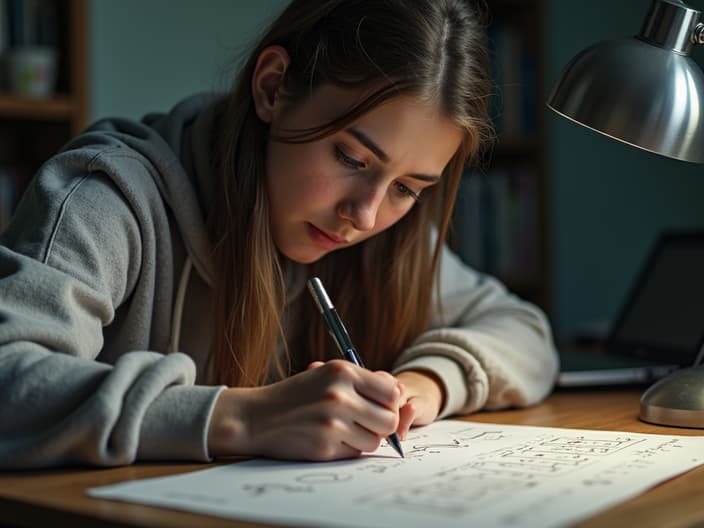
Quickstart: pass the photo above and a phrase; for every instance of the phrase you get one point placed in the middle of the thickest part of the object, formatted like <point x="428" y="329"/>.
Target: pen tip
<point x="396" y="444"/>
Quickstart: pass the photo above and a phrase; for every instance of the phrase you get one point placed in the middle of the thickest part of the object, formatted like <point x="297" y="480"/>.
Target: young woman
<point x="152" y="282"/>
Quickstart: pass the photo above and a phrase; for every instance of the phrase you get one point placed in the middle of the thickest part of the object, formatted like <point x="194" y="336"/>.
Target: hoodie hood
<point x="176" y="144"/>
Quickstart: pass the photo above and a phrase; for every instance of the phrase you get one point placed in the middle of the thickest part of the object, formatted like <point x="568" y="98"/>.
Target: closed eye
<point x="407" y="191"/>
<point x="348" y="161"/>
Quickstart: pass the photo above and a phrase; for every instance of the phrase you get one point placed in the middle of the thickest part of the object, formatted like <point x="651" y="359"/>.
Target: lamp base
<point x="676" y="400"/>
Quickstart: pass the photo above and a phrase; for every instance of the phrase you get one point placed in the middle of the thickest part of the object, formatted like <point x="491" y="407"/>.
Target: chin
<point x="311" y="260"/>
<point x="303" y="257"/>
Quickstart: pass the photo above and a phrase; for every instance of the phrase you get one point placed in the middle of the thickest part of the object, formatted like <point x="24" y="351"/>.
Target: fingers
<point x="366" y="401"/>
<point x="380" y="387"/>
<point x="407" y="415"/>
<point x="338" y="438"/>
<point x="377" y="422"/>
<point x="335" y="439"/>
<point x="341" y="399"/>
<point x="362" y="439"/>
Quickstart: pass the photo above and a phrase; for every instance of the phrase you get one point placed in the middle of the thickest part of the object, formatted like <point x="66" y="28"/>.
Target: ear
<point x="267" y="79"/>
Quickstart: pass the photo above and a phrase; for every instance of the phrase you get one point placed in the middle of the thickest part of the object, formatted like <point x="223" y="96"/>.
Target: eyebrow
<point x="383" y="156"/>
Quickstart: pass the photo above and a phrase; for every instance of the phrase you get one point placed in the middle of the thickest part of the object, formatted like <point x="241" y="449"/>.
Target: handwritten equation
<point x="455" y="474"/>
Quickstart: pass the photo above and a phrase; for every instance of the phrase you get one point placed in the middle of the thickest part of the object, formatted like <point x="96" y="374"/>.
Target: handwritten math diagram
<point x="455" y="474"/>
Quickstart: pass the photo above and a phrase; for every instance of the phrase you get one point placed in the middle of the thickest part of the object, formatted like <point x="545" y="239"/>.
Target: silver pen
<point x="341" y="337"/>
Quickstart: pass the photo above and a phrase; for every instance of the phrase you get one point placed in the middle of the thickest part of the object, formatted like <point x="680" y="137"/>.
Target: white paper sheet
<point x="455" y="474"/>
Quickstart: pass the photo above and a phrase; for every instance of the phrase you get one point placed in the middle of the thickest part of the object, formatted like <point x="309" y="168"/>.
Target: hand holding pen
<point x="341" y="337"/>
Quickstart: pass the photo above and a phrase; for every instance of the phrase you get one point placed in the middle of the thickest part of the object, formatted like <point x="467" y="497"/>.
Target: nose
<point x="361" y="206"/>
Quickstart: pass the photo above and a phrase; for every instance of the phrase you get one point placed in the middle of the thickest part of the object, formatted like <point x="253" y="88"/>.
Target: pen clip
<point x="351" y="356"/>
<point x="320" y="296"/>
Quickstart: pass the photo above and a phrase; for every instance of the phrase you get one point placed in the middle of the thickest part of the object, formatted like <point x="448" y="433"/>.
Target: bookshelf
<point x="32" y="128"/>
<point x="500" y="223"/>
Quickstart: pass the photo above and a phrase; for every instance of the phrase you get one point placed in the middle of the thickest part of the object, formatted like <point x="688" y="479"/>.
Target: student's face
<point x="345" y="188"/>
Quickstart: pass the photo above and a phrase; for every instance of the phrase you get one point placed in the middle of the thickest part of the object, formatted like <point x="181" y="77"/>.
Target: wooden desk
<point x="56" y="498"/>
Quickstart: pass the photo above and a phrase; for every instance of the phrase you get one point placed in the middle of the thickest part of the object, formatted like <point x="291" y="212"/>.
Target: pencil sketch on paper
<point x="455" y="474"/>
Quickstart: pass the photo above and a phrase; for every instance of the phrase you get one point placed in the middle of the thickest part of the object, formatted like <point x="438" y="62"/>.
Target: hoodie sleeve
<point x="70" y="259"/>
<point x="489" y="348"/>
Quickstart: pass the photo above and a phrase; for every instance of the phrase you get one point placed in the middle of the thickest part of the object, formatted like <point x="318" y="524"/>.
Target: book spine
<point x="497" y="224"/>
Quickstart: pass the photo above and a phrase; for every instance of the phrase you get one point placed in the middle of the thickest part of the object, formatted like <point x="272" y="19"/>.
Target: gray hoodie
<point x="107" y="254"/>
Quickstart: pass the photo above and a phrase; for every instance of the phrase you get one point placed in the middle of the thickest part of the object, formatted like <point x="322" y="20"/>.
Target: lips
<point x="325" y="239"/>
<point x="335" y="238"/>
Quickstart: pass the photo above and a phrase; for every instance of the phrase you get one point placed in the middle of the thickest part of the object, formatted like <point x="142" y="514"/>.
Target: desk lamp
<point x="647" y="92"/>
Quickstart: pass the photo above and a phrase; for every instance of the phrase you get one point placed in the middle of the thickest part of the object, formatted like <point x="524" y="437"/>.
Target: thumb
<point x="406" y="415"/>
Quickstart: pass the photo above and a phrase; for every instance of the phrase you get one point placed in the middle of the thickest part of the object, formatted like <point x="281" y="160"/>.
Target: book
<point x="496" y="222"/>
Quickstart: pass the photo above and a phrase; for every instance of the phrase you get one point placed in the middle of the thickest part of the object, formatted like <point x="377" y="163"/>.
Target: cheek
<point x="298" y="173"/>
<point x="283" y="166"/>
<point x="279" y="163"/>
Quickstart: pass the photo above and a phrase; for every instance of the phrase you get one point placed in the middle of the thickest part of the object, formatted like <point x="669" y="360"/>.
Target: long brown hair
<point x="431" y="49"/>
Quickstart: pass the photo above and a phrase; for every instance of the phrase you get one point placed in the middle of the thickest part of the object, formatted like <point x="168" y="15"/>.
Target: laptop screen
<point x="663" y="318"/>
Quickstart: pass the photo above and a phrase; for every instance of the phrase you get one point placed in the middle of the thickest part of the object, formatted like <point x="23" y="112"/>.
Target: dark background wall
<point x="147" y="55"/>
<point x="608" y="200"/>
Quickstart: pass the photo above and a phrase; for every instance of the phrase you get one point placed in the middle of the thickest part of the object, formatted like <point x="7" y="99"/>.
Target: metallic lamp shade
<point x="645" y="91"/>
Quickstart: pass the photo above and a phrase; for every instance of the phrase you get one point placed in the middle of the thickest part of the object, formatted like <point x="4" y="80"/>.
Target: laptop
<point x="659" y="328"/>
